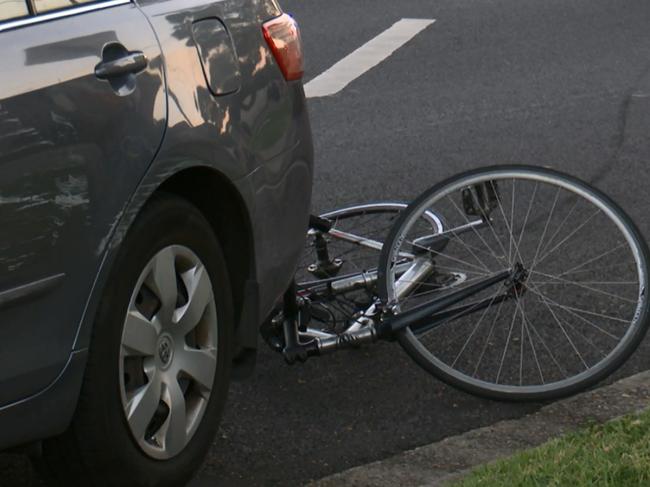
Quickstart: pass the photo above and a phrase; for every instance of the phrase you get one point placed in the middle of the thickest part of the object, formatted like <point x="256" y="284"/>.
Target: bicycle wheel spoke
<point x="594" y="259"/>
<point x="511" y="237"/>
<point x="521" y="346"/>
<point x="478" y="324"/>
<point x="584" y="337"/>
<point x="505" y="348"/>
<point x="492" y="227"/>
<point x="478" y="234"/>
<point x="512" y="219"/>
<point x="608" y="283"/>
<point x="471" y="248"/>
<point x="487" y="340"/>
<point x="548" y="221"/>
<point x="456" y="269"/>
<point x="548" y="350"/>
<point x="560" y="226"/>
<point x="573" y="311"/>
<point x="599" y="269"/>
<point x="584" y="286"/>
<point x="542" y="259"/>
<point x="441" y="254"/>
<point x="532" y="346"/>
<point x="565" y="333"/>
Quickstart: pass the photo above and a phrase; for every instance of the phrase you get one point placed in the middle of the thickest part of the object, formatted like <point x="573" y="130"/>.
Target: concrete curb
<point x="439" y="463"/>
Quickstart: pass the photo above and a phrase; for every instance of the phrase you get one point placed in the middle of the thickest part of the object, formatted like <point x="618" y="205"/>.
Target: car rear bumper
<point x="279" y="194"/>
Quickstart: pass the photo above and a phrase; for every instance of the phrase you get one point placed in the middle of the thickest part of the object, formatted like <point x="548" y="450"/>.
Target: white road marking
<point x="365" y="58"/>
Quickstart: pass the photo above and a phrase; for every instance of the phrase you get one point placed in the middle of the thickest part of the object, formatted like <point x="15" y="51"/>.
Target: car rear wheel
<point x="159" y="359"/>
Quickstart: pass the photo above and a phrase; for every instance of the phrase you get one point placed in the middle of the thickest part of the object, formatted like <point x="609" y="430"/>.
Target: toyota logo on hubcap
<point x="165" y="350"/>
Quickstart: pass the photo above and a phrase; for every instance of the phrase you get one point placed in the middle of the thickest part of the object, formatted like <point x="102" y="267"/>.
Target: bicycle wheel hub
<point x="516" y="283"/>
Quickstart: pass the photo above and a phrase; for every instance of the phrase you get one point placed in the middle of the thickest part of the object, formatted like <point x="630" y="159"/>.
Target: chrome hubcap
<point x="168" y="357"/>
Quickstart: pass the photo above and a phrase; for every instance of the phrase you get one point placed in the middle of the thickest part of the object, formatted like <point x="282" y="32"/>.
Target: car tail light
<point x="283" y="37"/>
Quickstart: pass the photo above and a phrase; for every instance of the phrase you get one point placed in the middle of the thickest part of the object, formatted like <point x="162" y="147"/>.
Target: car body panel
<point x="47" y="413"/>
<point x="218" y="56"/>
<point x="264" y="133"/>
<point x="258" y="138"/>
<point x="71" y="152"/>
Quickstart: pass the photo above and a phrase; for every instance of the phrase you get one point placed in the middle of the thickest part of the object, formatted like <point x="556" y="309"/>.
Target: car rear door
<point x="82" y="114"/>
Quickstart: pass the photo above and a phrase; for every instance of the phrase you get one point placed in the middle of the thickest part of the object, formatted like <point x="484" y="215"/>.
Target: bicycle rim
<point x="582" y="311"/>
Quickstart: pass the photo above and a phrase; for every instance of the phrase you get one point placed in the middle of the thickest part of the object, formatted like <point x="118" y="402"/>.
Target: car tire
<point x="100" y="447"/>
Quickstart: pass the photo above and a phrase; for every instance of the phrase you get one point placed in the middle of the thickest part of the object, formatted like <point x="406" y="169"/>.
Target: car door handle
<point x="130" y="63"/>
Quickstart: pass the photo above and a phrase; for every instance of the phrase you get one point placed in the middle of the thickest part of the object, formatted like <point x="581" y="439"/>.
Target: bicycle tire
<point x="413" y="345"/>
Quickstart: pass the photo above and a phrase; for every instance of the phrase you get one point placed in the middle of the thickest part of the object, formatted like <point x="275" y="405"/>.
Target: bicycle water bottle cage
<point x="480" y="199"/>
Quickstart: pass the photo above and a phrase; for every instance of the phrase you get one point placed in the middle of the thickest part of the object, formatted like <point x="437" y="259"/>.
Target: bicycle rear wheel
<point x="579" y="312"/>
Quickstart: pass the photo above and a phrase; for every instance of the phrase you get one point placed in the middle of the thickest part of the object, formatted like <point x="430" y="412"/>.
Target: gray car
<point x="155" y="182"/>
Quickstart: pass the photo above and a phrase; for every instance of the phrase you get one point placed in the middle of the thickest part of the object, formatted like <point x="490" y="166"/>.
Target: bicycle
<point x="508" y="282"/>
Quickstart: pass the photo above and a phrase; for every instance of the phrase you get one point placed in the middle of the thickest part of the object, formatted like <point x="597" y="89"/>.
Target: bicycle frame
<point x="482" y="296"/>
<point x="381" y="321"/>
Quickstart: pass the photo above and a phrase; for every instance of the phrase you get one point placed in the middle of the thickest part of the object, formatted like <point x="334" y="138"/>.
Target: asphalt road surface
<point x="559" y="83"/>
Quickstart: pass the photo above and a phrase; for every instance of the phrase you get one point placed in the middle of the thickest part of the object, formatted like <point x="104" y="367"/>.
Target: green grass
<point x="615" y="454"/>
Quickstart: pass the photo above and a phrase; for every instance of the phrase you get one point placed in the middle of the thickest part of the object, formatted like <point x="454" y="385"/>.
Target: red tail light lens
<point x="283" y="37"/>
